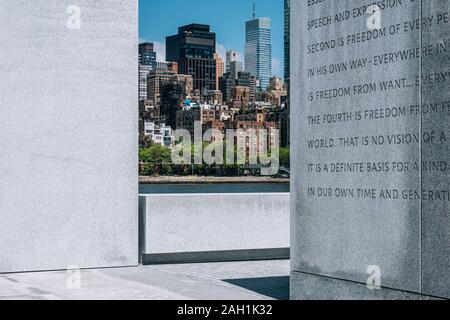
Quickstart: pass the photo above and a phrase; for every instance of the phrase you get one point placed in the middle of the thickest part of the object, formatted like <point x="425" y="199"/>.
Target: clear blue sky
<point x="161" y="18"/>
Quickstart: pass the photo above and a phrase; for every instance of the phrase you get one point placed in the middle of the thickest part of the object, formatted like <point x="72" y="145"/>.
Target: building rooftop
<point x="255" y="280"/>
<point x="194" y="27"/>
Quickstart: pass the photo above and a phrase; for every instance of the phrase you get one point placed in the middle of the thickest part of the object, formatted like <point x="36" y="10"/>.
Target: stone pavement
<point x="256" y="280"/>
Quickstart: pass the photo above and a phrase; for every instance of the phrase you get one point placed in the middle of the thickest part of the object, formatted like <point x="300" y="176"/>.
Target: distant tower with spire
<point x="258" y="49"/>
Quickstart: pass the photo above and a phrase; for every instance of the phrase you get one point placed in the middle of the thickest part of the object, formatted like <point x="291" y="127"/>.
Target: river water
<point x="213" y="188"/>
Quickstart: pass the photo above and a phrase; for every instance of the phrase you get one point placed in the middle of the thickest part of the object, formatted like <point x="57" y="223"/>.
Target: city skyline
<point x="227" y="19"/>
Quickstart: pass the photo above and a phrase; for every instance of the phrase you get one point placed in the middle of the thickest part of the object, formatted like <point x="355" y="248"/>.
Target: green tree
<point x="155" y="160"/>
<point x="285" y="156"/>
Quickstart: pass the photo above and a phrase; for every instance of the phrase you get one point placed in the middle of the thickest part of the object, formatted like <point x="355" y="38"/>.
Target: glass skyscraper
<point x="193" y="48"/>
<point x="258" y="50"/>
<point x="147" y="63"/>
<point x="147" y="55"/>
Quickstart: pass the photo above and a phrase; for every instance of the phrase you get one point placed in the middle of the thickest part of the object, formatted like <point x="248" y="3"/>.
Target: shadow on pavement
<point x="273" y="287"/>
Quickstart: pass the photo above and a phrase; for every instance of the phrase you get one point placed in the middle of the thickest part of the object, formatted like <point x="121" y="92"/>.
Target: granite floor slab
<point x="257" y="280"/>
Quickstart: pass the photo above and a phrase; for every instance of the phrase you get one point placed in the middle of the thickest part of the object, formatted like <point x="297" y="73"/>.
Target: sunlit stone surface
<point x="68" y="177"/>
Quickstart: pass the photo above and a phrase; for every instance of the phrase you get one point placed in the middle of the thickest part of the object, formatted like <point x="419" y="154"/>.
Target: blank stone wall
<point x="68" y="146"/>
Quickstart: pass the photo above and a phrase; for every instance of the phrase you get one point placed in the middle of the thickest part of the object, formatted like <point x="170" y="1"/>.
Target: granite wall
<point x="179" y="223"/>
<point x="68" y="176"/>
<point x="370" y="213"/>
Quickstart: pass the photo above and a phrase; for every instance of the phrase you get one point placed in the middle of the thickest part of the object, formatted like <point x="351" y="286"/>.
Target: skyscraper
<point x="193" y="48"/>
<point x="147" y="63"/>
<point x="144" y="71"/>
<point x="220" y="69"/>
<point x="287" y="33"/>
<point x="147" y="55"/>
<point x="258" y="50"/>
<point x="235" y="68"/>
<point x="231" y="56"/>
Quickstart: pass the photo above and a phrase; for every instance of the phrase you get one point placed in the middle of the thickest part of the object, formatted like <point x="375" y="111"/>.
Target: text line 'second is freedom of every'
<point x="409" y="26"/>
